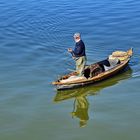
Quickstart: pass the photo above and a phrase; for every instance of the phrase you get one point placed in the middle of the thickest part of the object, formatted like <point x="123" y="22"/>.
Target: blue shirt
<point x="79" y="49"/>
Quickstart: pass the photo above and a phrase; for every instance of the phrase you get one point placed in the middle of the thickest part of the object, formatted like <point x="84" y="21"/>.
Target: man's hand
<point x="70" y="50"/>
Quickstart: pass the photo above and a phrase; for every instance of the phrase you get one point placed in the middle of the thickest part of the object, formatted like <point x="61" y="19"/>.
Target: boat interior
<point x="99" y="67"/>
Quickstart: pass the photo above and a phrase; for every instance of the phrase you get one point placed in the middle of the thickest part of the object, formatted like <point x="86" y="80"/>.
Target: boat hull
<point x="99" y="78"/>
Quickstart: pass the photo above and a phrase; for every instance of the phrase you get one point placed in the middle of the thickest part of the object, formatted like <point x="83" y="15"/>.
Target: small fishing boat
<point x="92" y="90"/>
<point x="99" y="71"/>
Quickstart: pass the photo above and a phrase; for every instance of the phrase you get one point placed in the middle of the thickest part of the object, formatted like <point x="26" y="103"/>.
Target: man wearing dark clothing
<point x="79" y="54"/>
<point x="79" y="50"/>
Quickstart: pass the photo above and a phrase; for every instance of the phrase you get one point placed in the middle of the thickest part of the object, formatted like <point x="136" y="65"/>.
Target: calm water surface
<point x="34" y="37"/>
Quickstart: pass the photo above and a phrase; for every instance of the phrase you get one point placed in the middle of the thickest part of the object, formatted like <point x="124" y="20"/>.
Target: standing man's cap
<point x="77" y="35"/>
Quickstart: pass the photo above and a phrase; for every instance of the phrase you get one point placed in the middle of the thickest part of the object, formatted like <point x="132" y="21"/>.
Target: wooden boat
<point x="100" y="73"/>
<point x="92" y="90"/>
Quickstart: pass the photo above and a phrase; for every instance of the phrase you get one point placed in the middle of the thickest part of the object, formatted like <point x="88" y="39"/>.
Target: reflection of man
<point x="81" y="111"/>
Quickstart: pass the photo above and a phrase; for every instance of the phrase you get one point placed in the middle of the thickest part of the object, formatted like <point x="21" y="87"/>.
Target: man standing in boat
<point x="79" y="54"/>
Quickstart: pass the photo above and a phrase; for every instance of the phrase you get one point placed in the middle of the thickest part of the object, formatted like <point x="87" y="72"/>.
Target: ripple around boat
<point x="65" y="83"/>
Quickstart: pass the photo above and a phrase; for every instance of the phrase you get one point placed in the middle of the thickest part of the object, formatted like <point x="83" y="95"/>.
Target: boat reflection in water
<point x="81" y="104"/>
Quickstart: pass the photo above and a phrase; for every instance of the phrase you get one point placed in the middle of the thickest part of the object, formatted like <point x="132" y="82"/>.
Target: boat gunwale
<point x="99" y="76"/>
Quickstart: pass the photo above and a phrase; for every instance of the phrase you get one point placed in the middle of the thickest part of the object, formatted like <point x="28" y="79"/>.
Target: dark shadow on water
<point x="81" y="103"/>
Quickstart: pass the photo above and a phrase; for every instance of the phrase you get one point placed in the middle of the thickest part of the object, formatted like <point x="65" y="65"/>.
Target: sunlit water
<point x="34" y="37"/>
